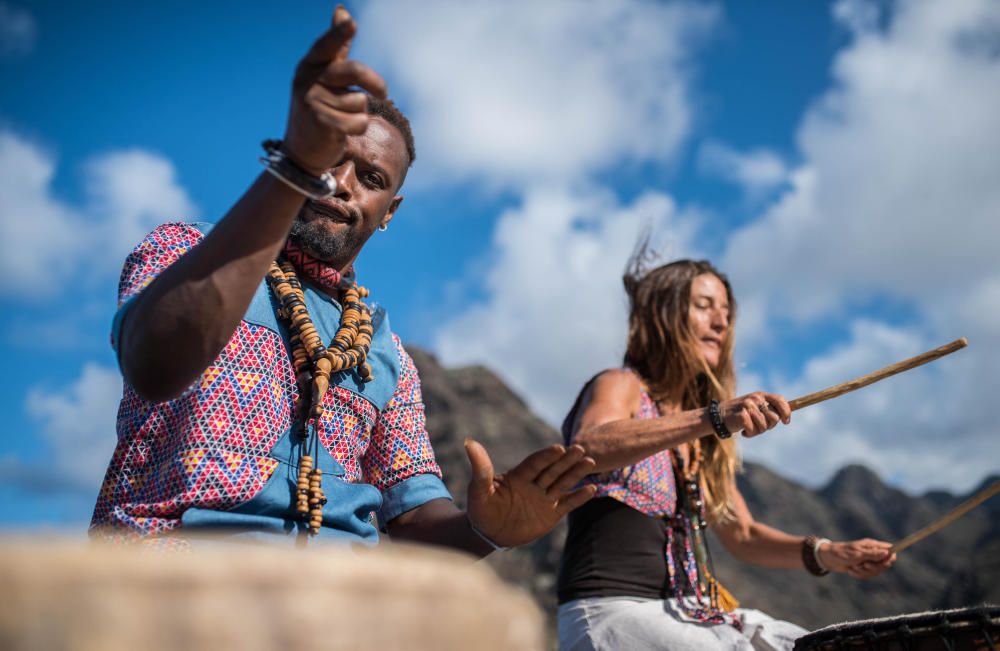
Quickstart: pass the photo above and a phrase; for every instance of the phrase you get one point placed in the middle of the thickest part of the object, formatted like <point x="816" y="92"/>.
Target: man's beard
<point x="313" y="238"/>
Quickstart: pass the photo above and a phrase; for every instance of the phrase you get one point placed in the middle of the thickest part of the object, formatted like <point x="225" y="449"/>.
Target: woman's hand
<point x="862" y="559"/>
<point x="755" y="413"/>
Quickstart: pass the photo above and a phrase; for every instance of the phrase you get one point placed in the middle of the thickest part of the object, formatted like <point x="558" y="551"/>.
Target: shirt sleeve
<point x="157" y="251"/>
<point x="400" y="461"/>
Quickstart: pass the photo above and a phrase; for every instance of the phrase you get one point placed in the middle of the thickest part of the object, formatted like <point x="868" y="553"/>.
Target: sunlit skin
<point x="369" y="175"/>
<point x="607" y="428"/>
<point x="176" y="327"/>
<point x="708" y="316"/>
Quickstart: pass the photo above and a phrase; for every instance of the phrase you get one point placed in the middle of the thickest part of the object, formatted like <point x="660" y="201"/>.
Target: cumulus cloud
<point x="39" y="235"/>
<point x="920" y="430"/>
<point x="556" y="311"/>
<point x="900" y="188"/>
<point x="134" y="190"/>
<point x="756" y="171"/>
<point x="77" y="426"/>
<point x="896" y="203"/>
<point x="514" y="93"/>
<point x="17" y="30"/>
<point x="47" y="239"/>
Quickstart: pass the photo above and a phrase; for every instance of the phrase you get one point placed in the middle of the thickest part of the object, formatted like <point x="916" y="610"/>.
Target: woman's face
<point x="708" y="316"/>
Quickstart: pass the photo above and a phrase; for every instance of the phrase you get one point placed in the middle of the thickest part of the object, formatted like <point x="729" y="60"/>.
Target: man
<point x="211" y="428"/>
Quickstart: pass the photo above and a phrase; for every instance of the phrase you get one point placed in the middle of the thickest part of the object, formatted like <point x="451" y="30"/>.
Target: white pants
<point x="636" y="624"/>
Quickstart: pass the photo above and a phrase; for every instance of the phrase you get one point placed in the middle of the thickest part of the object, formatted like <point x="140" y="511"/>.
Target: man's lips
<point x="333" y="212"/>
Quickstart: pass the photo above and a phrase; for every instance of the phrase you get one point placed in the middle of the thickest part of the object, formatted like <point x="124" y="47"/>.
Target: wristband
<point x="279" y="165"/>
<point x="718" y="424"/>
<point x="486" y="539"/>
<point x="810" y="555"/>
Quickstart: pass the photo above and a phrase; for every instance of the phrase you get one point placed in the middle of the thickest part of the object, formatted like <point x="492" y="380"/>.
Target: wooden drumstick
<point x="880" y="374"/>
<point x="948" y="517"/>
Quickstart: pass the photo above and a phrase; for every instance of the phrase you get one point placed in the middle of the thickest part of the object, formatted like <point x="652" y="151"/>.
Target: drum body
<point x="962" y="629"/>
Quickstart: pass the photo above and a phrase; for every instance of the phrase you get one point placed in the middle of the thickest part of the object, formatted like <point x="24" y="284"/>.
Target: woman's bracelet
<point x="810" y="555"/>
<point x="283" y="168"/>
<point x="718" y="424"/>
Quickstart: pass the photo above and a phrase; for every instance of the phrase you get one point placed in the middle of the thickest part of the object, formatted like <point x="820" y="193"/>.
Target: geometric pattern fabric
<point x="648" y="485"/>
<point x="209" y="447"/>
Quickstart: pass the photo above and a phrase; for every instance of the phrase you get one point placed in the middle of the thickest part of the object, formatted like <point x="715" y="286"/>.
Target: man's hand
<point x="528" y="501"/>
<point x="862" y="559"/>
<point x="325" y="107"/>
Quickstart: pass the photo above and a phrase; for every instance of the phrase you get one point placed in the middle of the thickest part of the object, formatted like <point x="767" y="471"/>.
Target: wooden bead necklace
<point x="313" y="363"/>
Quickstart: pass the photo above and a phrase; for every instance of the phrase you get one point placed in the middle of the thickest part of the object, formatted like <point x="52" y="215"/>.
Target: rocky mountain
<point x="957" y="567"/>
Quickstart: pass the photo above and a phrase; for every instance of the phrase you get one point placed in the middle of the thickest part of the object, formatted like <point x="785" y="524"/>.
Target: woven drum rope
<point x="314" y="363"/>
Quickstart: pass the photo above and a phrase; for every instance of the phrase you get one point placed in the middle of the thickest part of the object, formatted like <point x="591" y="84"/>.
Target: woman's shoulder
<point x="617" y="383"/>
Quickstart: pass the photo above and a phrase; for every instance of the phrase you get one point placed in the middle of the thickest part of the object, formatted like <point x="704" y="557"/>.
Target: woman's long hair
<point x="663" y="351"/>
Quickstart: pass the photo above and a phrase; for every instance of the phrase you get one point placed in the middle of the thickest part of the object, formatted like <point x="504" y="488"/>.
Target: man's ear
<point x="390" y="213"/>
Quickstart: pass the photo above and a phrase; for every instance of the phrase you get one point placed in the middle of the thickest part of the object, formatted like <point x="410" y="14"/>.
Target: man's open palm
<point x="526" y="502"/>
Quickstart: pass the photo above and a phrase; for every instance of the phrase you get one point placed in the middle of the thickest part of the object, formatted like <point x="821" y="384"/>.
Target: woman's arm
<point x="606" y="428"/>
<point x="755" y="542"/>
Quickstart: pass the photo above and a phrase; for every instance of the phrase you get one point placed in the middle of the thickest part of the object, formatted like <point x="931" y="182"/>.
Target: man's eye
<point x="374" y="180"/>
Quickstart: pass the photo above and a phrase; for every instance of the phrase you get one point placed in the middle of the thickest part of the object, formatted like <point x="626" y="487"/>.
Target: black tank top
<point x="612" y="550"/>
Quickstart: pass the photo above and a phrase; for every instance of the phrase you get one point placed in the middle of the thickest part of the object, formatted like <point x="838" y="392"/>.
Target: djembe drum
<point x="962" y="629"/>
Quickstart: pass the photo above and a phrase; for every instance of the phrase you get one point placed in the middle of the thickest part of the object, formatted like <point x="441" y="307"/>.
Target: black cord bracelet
<point x="719" y="425"/>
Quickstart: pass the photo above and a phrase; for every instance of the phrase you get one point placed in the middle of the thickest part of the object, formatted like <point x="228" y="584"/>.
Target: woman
<point x="636" y="570"/>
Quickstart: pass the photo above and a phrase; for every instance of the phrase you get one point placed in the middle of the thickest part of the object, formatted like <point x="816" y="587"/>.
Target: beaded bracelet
<point x="810" y="555"/>
<point x="283" y="168"/>
<point x="718" y="424"/>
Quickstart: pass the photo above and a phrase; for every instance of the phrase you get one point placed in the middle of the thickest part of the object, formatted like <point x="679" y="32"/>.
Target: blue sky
<point x="841" y="161"/>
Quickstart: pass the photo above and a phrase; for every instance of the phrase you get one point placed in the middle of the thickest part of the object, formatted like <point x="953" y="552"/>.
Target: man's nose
<point x="344" y="175"/>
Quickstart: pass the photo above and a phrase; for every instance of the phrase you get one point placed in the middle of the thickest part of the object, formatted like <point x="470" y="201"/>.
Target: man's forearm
<point x="178" y="325"/>
<point x="439" y="522"/>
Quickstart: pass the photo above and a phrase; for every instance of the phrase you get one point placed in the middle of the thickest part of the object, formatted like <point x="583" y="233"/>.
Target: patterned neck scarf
<point x="318" y="272"/>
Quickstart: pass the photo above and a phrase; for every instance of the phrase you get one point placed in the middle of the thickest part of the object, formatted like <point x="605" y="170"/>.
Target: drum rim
<point x="882" y="627"/>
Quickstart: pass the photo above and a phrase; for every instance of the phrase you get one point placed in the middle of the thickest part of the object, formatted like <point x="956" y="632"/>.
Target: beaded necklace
<point x="313" y="363"/>
<point x="719" y="598"/>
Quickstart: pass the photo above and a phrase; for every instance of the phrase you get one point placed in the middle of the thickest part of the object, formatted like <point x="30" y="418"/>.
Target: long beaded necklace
<point x="719" y="597"/>
<point x="313" y="363"/>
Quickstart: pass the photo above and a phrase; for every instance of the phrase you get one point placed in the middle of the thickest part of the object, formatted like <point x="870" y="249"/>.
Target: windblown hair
<point x="663" y="351"/>
<point x="388" y="111"/>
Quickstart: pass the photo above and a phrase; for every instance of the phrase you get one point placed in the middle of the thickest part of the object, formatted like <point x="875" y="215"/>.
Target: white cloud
<point x="513" y="93"/>
<point x="756" y="171"/>
<point x="556" y="310"/>
<point x="134" y="190"/>
<point x="17" y="30"/>
<point x="39" y="235"/>
<point x="925" y="428"/>
<point x="78" y="426"/>
<point x="44" y="238"/>
<point x="900" y="188"/>
<point x="897" y="201"/>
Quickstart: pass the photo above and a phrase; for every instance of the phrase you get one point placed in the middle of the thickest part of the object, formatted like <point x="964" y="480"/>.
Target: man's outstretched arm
<point x="510" y="509"/>
<point x="177" y="326"/>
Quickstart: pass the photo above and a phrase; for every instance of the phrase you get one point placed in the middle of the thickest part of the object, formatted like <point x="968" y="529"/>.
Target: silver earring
<point x="384" y="227"/>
